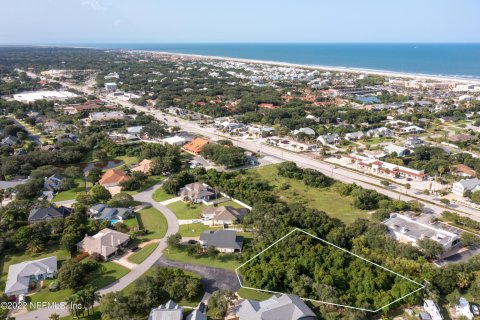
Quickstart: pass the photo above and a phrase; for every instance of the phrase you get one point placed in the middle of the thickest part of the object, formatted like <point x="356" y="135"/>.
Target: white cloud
<point x="94" y="4"/>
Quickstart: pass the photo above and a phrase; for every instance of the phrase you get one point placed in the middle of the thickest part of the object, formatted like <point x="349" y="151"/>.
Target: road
<point x="135" y="273"/>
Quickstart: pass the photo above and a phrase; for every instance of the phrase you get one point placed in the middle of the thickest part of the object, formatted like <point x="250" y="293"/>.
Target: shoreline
<point x="415" y="76"/>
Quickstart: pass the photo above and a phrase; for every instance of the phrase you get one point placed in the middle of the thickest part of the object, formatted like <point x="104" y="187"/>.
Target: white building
<point x="175" y="141"/>
<point x="432" y="309"/>
<point x="461" y="186"/>
<point x="27" y="97"/>
<point x="463" y="308"/>
<point x="110" y="86"/>
<point x="408" y="230"/>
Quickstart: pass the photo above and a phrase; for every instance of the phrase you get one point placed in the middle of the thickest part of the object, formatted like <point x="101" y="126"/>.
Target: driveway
<point x="213" y="279"/>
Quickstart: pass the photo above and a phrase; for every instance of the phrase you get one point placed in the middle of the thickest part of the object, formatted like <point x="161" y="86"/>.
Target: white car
<point x="21" y="298"/>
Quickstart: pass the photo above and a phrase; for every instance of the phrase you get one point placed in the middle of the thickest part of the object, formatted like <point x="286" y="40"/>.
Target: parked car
<point x="202" y="307"/>
<point x="191" y="241"/>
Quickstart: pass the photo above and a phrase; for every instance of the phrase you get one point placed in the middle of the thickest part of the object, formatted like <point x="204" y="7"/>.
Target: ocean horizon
<point x="460" y="60"/>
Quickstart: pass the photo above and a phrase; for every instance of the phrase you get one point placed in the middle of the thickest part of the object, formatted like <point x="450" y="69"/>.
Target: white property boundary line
<point x="324" y="302"/>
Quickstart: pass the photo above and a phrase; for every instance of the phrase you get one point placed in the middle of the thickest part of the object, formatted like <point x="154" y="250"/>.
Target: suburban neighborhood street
<point x="137" y="271"/>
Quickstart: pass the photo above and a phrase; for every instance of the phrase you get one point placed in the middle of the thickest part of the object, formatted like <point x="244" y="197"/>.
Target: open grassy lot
<point x="186" y="210"/>
<point x="194" y="229"/>
<point x="106" y="274"/>
<point x="140" y="256"/>
<point x="9" y="259"/>
<point x="152" y="220"/>
<point x="327" y="199"/>
<point x="224" y="261"/>
<point x="74" y="192"/>
<point x="160" y="195"/>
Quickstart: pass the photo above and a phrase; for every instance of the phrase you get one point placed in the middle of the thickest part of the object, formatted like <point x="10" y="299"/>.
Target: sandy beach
<point x="385" y="73"/>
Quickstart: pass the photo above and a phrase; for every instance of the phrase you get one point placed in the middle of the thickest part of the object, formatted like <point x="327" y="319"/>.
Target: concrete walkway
<point x="169" y="201"/>
<point x="136" y="271"/>
<point x="123" y="260"/>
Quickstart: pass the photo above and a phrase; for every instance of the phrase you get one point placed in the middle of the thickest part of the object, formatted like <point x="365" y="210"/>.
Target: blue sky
<point x="110" y="21"/>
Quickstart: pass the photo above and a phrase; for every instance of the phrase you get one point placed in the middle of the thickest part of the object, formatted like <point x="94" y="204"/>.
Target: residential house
<point x="106" y="243"/>
<point x="380" y="132"/>
<point x="409" y="230"/>
<point x="278" y="307"/>
<point x="353" y="136"/>
<point x="448" y="119"/>
<point x="463" y="170"/>
<point x="413" y="142"/>
<point x="53" y="183"/>
<point x="400" y="151"/>
<point x="225" y="241"/>
<point x="329" y="139"/>
<point x="22" y="276"/>
<point x="170" y="311"/>
<point x="196" y="315"/>
<point x="461" y="186"/>
<point x="47" y="213"/>
<point x="197" y="192"/>
<point x="224" y="214"/>
<point x="9" y="141"/>
<point x="135" y="130"/>
<point x="113" y="177"/>
<point x="307" y="131"/>
<point x="196" y="145"/>
<point x="463" y="309"/>
<point x="432" y="309"/>
<point x="107" y="213"/>
<point x="144" y="166"/>
<point x="411" y="129"/>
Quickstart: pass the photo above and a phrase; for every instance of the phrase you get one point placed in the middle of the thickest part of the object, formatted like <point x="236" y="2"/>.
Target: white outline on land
<point x="324" y="302"/>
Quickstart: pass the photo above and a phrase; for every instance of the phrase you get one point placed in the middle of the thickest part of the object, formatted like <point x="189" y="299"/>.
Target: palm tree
<point x="407" y="187"/>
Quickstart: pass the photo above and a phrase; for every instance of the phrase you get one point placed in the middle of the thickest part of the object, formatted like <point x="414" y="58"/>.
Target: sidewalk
<point x="169" y="201"/>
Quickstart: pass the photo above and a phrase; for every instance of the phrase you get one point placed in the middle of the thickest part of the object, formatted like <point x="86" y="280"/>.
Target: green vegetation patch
<point x="140" y="256"/>
<point x="154" y="222"/>
<point x="313" y="269"/>
<point x="186" y="210"/>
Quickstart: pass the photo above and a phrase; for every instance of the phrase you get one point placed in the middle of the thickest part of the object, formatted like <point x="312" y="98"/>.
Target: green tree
<point x="71" y="275"/>
<point x="430" y="248"/>
<point x="100" y="194"/>
<point x="174" y="240"/>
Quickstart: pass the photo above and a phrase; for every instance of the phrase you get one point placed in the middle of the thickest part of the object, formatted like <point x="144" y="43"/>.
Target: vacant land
<point x="152" y="220"/>
<point x="327" y="199"/>
<point x="74" y="192"/>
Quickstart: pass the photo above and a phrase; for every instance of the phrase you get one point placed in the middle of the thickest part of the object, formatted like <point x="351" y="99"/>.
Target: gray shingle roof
<point x="278" y="307"/>
<point x="222" y="239"/>
<point x="19" y="274"/>
<point x="43" y="214"/>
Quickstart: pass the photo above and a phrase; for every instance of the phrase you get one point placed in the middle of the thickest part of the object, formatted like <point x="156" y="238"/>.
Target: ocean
<point x="453" y="60"/>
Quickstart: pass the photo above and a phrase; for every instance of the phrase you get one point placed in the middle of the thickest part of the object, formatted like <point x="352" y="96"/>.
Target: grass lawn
<point x="9" y="259"/>
<point x="106" y="274"/>
<point x="230" y="204"/>
<point x="128" y="160"/>
<point x="253" y="294"/>
<point x="139" y="256"/>
<point x="154" y="221"/>
<point x="160" y="195"/>
<point x="189" y="303"/>
<point x="72" y="193"/>
<point x="327" y="199"/>
<point x="132" y="223"/>
<point x="186" y="210"/>
<point x="224" y="261"/>
<point x="194" y="229"/>
<point x="151" y="181"/>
